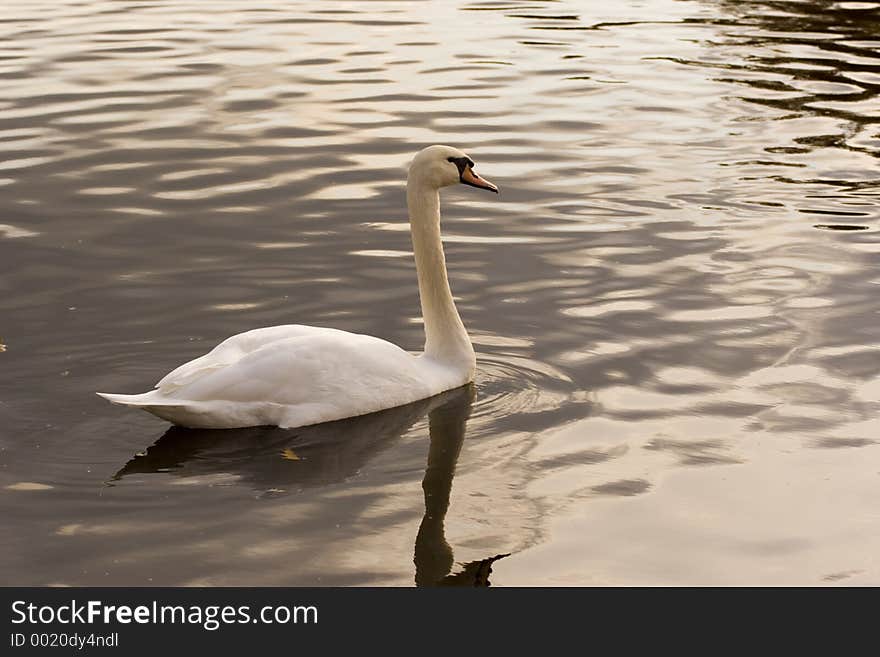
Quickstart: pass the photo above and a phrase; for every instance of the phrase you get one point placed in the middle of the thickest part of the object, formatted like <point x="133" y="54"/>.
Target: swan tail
<point x="176" y="411"/>
<point x="143" y="399"/>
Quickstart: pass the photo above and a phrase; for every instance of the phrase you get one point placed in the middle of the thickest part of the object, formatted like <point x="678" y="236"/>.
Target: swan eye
<point x="462" y="163"/>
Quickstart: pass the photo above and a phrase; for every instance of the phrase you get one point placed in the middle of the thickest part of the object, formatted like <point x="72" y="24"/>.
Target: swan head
<point x="442" y="166"/>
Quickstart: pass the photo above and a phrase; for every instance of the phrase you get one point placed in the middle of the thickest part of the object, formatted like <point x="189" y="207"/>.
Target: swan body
<point x="294" y="375"/>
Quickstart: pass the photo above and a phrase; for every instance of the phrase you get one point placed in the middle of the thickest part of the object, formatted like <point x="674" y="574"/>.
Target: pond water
<point x="675" y="300"/>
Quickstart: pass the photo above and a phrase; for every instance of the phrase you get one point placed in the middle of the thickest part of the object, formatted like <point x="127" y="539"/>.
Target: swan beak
<point x="470" y="177"/>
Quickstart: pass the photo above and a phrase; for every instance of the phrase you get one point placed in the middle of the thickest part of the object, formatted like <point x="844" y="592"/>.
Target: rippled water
<point x="675" y="299"/>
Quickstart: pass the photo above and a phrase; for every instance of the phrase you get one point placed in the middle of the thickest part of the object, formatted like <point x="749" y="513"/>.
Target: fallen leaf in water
<point x="289" y="454"/>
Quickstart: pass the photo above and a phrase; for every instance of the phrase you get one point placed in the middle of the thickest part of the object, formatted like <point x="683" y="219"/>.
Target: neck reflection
<point x="433" y="556"/>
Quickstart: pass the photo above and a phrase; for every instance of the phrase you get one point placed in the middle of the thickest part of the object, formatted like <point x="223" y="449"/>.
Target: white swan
<point x="292" y="376"/>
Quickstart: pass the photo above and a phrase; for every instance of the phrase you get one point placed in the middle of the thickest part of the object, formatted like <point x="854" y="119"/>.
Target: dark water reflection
<point x="278" y="460"/>
<point x="674" y="301"/>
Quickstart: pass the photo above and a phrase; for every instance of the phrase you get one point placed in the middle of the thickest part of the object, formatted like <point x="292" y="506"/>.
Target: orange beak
<point x="470" y="177"/>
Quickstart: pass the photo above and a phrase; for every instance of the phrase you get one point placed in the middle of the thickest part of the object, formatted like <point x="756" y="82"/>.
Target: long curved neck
<point x="446" y="339"/>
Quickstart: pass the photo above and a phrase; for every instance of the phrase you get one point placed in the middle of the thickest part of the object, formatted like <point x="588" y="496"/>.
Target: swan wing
<point x="230" y="351"/>
<point x="319" y="367"/>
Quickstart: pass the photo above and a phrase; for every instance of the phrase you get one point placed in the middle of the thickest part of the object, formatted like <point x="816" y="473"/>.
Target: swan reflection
<point x="276" y="460"/>
<point x="283" y="460"/>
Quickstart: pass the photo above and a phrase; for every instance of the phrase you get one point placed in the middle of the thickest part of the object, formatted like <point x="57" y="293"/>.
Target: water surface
<point x="675" y="300"/>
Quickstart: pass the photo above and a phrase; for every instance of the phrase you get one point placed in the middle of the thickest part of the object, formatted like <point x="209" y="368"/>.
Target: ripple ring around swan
<point x="509" y="385"/>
